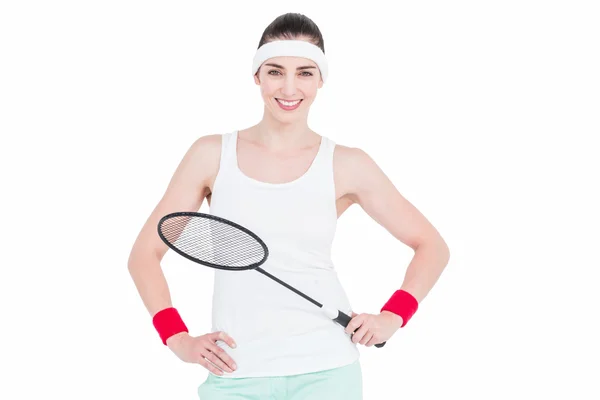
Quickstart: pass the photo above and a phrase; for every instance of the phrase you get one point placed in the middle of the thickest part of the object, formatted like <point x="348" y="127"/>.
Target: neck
<point x="278" y="135"/>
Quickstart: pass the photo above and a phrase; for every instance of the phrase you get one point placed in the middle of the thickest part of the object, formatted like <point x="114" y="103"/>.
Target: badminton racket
<point x="219" y="243"/>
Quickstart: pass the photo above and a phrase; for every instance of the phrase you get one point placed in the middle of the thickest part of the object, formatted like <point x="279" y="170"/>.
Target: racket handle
<point x="344" y="319"/>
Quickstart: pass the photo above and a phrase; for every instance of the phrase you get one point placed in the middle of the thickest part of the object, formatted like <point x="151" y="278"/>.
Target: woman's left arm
<point x="370" y="187"/>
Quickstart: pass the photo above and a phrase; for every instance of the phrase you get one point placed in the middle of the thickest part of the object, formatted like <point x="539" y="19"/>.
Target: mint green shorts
<point x="342" y="383"/>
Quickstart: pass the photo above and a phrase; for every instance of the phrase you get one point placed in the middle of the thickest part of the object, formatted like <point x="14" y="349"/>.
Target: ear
<point x="256" y="80"/>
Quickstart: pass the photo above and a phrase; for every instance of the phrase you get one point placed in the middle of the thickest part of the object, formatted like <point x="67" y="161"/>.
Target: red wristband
<point x="403" y="304"/>
<point x="168" y="322"/>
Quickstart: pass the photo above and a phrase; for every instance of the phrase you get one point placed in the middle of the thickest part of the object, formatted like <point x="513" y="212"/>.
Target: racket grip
<point x="344" y="319"/>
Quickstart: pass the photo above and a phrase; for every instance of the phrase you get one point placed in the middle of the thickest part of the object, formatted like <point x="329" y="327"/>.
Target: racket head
<point x="212" y="241"/>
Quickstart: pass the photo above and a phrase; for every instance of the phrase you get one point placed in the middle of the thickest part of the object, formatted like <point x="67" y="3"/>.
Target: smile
<point x="289" y="105"/>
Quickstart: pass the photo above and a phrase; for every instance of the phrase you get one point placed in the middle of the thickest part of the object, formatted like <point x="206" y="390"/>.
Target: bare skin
<point x="280" y="149"/>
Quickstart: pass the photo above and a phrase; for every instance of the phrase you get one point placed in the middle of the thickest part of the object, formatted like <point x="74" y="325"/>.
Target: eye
<point x="277" y="72"/>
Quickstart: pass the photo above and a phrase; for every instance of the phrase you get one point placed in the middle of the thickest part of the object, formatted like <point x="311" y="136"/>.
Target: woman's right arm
<point x="189" y="186"/>
<point x="186" y="191"/>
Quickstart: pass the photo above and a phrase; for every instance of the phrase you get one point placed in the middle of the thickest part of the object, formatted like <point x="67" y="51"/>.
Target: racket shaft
<point x="336" y="315"/>
<point x="262" y="271"/>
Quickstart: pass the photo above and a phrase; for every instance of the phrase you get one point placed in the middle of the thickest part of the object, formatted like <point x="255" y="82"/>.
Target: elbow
<point x="442" y="247"/>
<point x="131" y="261"/>
<point x="436" y="245"/>
<point x="443" y="250"/>
<point x="135" y="259"/>
<point x="141" y="258"/>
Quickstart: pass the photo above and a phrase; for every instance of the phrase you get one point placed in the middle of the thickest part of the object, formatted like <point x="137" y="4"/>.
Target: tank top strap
<point x="227" y="151"/>
<point x="323" y="168"/>
<point x="327" y="152"/>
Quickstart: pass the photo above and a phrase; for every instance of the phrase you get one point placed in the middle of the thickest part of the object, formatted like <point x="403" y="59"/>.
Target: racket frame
<point x="218" y="219"/>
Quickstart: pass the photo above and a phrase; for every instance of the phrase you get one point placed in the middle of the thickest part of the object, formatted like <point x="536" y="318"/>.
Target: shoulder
<point x="351" y="156"/>
<point x="206" y="150"/>
<point x="207" y="144"/>
<point x="353" y="167"/>
<point x="203" y="157"/>
<point x="353" y="161"/>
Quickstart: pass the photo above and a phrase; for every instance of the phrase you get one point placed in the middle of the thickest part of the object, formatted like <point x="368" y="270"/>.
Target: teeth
<point x="287" y="103"/>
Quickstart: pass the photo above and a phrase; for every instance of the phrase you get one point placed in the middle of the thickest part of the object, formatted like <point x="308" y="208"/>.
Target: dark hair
<point x="293" y="26"/>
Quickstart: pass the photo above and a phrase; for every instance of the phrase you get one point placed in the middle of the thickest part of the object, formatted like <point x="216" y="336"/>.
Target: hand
<point x="373" y="329"/>
<point x="202" y="349"/>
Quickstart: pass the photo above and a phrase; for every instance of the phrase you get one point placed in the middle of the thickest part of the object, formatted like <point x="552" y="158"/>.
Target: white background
<point x="484" y="114"/>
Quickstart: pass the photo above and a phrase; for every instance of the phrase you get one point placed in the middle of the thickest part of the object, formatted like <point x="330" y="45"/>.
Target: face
<point x="289" y="79"/>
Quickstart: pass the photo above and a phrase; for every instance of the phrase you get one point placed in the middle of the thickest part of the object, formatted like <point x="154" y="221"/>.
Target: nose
<point x="289" y="86"/>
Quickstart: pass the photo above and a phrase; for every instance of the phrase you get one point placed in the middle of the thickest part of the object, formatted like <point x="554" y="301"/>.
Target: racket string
<point x="217" y="250"/>
<point x="223" y="237"/>
<point x="212" y="241"/>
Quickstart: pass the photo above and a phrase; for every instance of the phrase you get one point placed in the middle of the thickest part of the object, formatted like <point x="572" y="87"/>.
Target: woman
<point x="288" y="184"/>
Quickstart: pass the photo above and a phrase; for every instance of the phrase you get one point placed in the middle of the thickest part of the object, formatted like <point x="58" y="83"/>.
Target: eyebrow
<point x="282" y="67"/>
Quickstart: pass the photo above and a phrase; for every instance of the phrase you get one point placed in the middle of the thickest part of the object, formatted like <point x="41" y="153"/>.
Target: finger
<point x="224" y="337"/>
<point x="354" y="324"/>
<point x="373" y="341"/>
<point x="225" y="360"/>
<point x="208" y="365"/>
<point x="360" y="333"/>
<point x="368" y="336"/>
<point x="212" y="357"/>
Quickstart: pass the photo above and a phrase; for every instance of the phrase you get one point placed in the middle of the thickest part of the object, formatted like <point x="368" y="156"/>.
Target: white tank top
<point x="277" y="331"/>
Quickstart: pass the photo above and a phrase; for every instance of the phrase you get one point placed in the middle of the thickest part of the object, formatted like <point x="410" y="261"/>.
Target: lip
<point x="286" y="108"/>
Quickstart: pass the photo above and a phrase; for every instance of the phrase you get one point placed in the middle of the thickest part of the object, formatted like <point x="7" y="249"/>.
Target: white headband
<point x="294" y="48"/>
